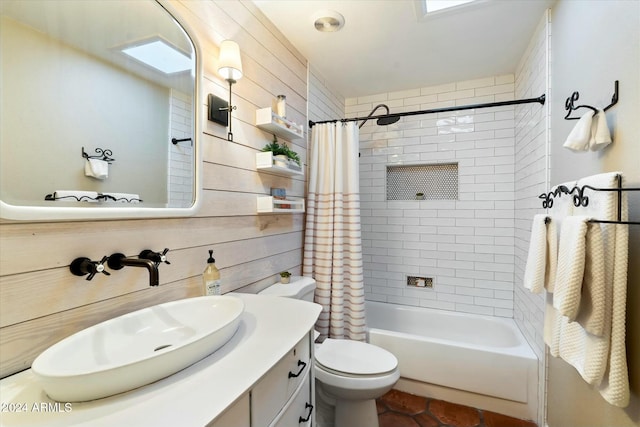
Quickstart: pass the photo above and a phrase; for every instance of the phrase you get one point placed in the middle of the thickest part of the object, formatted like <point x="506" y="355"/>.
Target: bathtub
<point x="479" y="354"/>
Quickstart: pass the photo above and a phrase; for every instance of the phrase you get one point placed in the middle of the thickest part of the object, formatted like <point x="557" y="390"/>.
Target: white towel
<point x="571" y="260"/>
<point x="552" y="327"/>
<point x="552" y="256"/>
<point x="591" y="310"/>
<point x="534" y="273"/>
<point x="600" y="134"/>
<point x="76" y="196"/>
<point x="96" y="168"/>
<point x="601" y="360"/>
<point x="580" y="286"/>
<point x="615" y="385"/>
<point x="562" y="208"/>
<point x="540" y="270"/>
<point x="122" y="197"/>
<point x="580" y="135"/>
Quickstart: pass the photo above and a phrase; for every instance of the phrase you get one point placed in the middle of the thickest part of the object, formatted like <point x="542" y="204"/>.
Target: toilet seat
<point x="354" y="358"/>
<point x="355" y="366"/>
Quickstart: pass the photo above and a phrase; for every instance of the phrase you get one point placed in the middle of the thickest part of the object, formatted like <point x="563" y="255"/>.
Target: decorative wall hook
<point x="102" y="155"/>
<point x="570" y="106"/>
<point x="580" y="200"/>
<point x="175" y="141"/>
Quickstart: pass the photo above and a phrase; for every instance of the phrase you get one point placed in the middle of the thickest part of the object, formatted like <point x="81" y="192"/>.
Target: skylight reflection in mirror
<point x="436" y="5"/>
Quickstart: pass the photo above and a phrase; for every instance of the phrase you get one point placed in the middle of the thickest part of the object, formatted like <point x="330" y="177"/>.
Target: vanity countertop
<point x="270" y="327"/>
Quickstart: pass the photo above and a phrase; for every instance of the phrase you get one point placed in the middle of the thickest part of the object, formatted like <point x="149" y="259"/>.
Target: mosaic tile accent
<point x="434" y="181"/>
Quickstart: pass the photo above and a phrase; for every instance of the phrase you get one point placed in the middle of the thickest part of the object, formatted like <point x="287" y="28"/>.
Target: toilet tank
<point x="300" y="287"/>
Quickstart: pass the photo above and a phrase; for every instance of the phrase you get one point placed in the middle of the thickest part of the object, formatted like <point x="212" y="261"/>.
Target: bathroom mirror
<point x="92" y="95"/>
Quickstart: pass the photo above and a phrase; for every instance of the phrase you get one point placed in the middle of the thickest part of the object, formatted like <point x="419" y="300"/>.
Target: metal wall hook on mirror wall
<point x="102" y="155"/>
<point x="570" y="107"/>
<point x="175" y="141"/>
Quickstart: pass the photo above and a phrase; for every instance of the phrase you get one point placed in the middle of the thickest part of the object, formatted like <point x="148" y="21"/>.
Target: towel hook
<point x="102" y="155"/>
<point x="581" y="200"/>
<point x="570" y="107"/>
<point x="175" y="141"/>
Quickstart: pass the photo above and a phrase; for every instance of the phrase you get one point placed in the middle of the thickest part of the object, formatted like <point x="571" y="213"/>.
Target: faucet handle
<point x="157" y="257"/>
<point x="82" y="266"/>
<point x="100" y="268"/>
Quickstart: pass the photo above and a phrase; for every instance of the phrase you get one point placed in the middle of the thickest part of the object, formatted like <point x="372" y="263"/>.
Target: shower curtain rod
<point x="540" y="100"/>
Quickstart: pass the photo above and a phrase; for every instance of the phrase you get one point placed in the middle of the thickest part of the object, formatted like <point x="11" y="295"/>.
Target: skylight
<point x="158" y="54"/>
<point x="431" y="6"/>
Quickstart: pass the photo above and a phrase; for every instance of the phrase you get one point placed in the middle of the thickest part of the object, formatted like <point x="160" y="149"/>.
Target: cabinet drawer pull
<point x="306" y="406"/>
<point x="300" y="363"/>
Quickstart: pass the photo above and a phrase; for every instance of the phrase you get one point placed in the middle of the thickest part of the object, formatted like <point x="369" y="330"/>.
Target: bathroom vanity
<point x="262" y="377"/>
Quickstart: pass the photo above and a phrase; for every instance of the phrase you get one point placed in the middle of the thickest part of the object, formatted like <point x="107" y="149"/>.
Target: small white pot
<point x="285" y="280"/>
<point x="281" y="160"/>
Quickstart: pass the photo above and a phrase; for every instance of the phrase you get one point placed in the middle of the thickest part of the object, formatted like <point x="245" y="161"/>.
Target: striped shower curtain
<point x="333" y="243"/>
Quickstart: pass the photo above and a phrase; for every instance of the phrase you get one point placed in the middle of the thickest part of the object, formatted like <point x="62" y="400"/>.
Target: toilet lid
<point x="298" y="287"/>
<point x="355" y="357"/>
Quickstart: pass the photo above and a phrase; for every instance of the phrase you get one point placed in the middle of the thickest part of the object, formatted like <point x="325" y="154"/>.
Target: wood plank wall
<point x="41" y="302"/>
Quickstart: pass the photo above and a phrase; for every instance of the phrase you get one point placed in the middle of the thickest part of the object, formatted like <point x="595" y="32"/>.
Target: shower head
<point x="385" y="121"/>
<point x="382" y="121"/>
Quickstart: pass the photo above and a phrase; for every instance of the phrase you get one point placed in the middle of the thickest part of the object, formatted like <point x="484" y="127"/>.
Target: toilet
<point x="350" y="375"/>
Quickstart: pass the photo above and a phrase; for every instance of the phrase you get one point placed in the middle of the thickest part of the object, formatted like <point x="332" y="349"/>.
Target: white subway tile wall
<point x="466" y="245"/>
<point x="531" y="179"/>
<point x="181" y="155"/>
<point x="324" y="103"/>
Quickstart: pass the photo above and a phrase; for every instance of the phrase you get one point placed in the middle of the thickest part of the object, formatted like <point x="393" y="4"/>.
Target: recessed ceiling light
<point x="160" y="55"/>
<point x="328" y="21"/>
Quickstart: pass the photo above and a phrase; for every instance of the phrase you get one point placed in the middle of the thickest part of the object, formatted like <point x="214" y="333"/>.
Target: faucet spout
<point x="118" y="261"/>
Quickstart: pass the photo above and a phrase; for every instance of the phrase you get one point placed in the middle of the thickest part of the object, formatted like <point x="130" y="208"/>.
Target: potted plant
<point x="419" y="196"/>
<point x="282" y="154"/>
<point x="285" y="277"/>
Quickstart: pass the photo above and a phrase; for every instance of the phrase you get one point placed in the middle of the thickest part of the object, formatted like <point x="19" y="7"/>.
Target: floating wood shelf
<point x="269" y="204"/>
<point x="265" y="163"/>
<point x="269" y="121"/>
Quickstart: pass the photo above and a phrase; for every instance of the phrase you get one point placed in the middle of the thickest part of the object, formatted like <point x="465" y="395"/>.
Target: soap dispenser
<point x="211" y="277"/>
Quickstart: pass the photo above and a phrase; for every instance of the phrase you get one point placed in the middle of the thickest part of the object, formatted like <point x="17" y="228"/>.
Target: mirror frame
<point x="62" y="213"/>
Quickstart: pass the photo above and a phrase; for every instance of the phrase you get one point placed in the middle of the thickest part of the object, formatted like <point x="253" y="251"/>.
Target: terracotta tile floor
<point x="399" y="409"/>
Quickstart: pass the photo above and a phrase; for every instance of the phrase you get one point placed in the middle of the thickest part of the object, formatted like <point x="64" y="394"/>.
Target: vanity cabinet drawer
<point x="273" y="391"/>
<point x="236" y="415"/>
<point x="300" y="409"/>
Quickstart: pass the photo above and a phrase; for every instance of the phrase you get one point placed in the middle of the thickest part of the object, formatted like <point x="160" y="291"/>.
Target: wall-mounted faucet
<point x="157" y="257"/>
<point x="147" y="259"/>
<point x="119" y="261"/>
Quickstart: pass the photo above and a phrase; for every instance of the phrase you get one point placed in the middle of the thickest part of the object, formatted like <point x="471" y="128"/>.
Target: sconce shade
<point x="229" y="63"/>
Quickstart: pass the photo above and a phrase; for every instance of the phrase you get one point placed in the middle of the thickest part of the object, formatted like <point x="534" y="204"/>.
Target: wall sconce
<point x="229" y="68"/>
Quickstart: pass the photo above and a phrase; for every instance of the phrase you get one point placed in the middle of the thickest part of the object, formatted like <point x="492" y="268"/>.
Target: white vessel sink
<point x="137" y="348"/>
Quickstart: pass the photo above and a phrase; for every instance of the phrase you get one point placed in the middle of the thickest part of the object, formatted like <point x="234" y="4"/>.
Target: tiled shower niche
<point x="435" y="182"/>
